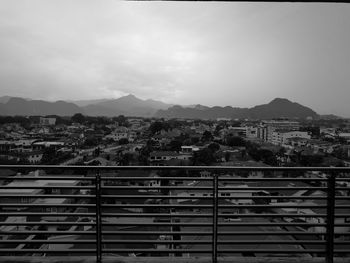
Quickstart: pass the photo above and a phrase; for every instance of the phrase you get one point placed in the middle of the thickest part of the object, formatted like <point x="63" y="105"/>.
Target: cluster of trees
<point x="51" y="156"/>
<point x="77" y="118"/>
<point x="168" y="125"/>
<point x="92" y="141"/>
<point x="206" y="156"/>
<point x="80" y="118"/>
<point x="7" y="161"/>
<point x="23" y="121"/>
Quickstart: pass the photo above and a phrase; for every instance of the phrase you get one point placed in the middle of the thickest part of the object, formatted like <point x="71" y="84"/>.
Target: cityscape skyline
<point x="224" y="54"/>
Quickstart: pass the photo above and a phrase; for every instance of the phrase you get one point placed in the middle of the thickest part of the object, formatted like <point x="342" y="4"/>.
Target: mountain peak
<point x="130" y="96"/>
<point x="279" y="101"/>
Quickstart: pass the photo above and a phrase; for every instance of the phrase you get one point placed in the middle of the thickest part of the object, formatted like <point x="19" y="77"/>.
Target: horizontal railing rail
<point x="201" y="211"/>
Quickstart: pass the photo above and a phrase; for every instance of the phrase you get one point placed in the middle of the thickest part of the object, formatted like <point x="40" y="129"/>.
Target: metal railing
<point x="175" y="211"/>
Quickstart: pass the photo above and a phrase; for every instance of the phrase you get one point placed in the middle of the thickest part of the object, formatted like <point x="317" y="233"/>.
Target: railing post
<point x="98" y="218"/>
<point x="215" y="219"/>
<point x="330" y="217"/>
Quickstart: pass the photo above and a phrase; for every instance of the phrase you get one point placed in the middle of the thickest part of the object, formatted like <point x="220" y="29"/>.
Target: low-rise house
<point x="279" y="137"/>
<point x="126" y="201"/>
<point x="161" y="156"/>
<point x="161" y="140"/>
<point x="249" y="163"/>
<point x="107" y="245"/>
<point x="241" y="196"/>
<point x="47" y="121"/>
<point x="189" y="149"/>
<point x="328" y="131"/>
<point x="296" y="141"/>
<point x="7" y="146"/>
<point x="311" y="216"/>
<point x="321" y="146"/>
<point x="24" y="145"/>
<point x="48" y="144"/>
<point x="33" y="157"/>
<point x="55" y="207"/>
<point x="30" y="197"/>
<point x="16" y="194"/>
<point x="132" y="136"/>
<point x="231" y="154"/>
<point x="117" y="134"/>
<point x="345" y="136"/>
<point x="238" y="246"/>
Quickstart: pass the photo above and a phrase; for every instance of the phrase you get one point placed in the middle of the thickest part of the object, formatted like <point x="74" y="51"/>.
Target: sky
<point x="209" y="53"/>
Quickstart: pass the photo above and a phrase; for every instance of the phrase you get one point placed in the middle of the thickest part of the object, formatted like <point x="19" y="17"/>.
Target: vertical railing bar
<point x="215" y="219"/>
<point x="98" y="218"/>
<point x="330" y="217"/>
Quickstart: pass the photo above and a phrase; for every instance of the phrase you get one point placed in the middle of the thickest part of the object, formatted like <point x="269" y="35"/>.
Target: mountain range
<point x="132" y="106"/>
<point x="277" y="108"/>
<point x="128" y="105"/>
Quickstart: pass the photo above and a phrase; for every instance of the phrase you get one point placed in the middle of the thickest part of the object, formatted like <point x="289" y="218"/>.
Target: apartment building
<point x="266" y="129"/>
<point x="281" y="137"/>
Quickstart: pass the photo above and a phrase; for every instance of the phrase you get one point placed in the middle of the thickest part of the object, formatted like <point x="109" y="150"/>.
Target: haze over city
<point x="237" y="54"/>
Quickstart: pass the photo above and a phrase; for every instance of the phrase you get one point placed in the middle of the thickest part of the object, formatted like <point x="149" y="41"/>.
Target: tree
<point x="175" y="145"/>
<point x="156" y="127"/>
<point x="311" y="160"/>
<point x="235" y="141"/>
<point x="227" y="156"/>
<point x="97" y="152"/>
<point x="121" y="120"/>
<point x="79" y="118"/>
<point x="48" y="156"/>
<point x="91" y="141"/>
<point x="265" y="156"/>
<point x="218" y="128"/>
<point x="214" y="147"/>
<point x="204" y="156"/>
<point x="144" y="152"/>
<point x="194" y="140"/>
<point x="126" y="158"/>
<point x="207" y="136"/>
<point x="123" y="141"/>
<point x="187" y="142"/>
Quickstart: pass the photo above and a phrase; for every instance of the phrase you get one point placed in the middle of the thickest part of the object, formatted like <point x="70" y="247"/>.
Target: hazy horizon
<point x="209" y="53"/>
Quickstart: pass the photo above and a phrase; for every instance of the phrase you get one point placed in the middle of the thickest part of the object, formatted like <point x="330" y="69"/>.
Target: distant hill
<point x="127" y="105"/>
<point x="20" y="106"/>
<point x="281" y="108"/>
<point x="330" y="117"/>
<point x="98" y="110"/>
<point x="5" y="99"/>
<point x="83" y="103"/>
<point x="277" y="108"/>
<point x="130" y="105"/>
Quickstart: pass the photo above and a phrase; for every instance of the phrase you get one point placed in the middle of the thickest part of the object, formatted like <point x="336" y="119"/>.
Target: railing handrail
<point x="149" y="167"/>
<point x="97" y="185"/>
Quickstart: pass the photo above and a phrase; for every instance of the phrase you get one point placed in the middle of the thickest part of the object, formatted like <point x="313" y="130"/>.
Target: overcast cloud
<point x="238" y="54"/>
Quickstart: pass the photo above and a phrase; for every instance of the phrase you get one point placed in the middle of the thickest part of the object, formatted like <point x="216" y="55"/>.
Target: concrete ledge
<point x="107" y="259"/>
